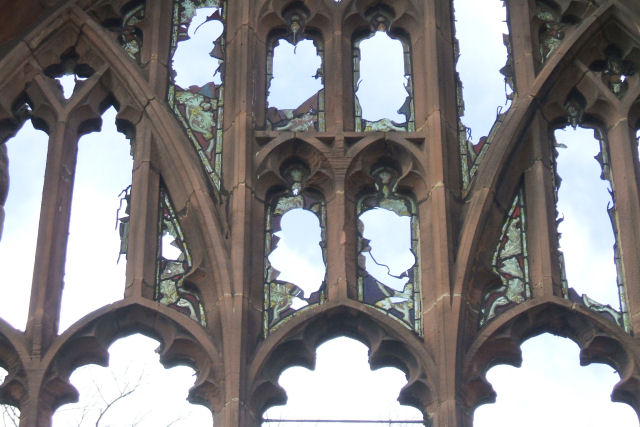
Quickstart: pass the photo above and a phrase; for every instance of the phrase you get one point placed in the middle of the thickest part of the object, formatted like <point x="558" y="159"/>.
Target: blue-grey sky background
<point x="551" y="377"/>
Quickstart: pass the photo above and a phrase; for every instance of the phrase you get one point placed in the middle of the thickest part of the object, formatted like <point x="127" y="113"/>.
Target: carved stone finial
<point x="386" y="178"/>
<point x="296" y="16"/>
<point x="380" y="17"/>
<point x="296" y="172"/>
<point x="574" y="106"/>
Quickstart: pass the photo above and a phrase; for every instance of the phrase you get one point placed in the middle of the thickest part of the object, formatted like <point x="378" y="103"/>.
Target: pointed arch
<point x="87" y="342"/>
<point x="124" y="79"/>
<point x="295" y="343"/>
<point x="600" y="341"/>
<point x="509" y="139"/>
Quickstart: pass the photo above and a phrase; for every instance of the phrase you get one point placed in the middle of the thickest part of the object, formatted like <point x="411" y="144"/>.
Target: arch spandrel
<point x="295" y="343"/>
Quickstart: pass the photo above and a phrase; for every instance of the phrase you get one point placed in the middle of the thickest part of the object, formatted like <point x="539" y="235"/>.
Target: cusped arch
<point x="271" y="15"/>
<point x="13" y="357"/>
<point x="406" y="156"/>
<point x="310" y="150"/>
<point x="295" y="343"/>
<point x="182" y="342"/>
<point x="599" y="339"/>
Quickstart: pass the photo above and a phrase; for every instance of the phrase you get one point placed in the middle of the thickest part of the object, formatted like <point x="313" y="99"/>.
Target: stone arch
<point x="186" y="185"/>
<point x="509" y="138"/>
<point x="295" y="345"/>
<point x="13" y="355"/>
<point x="600" y="341"/>
<point x="309" y="149"/>
<point x="404" y="11"/>
<point x="121" y="81"/>
<point x="407" y="156"/>
<point x="291" y="21"/>
<point x="271" y="15"/>
<point x="86" y="342"/>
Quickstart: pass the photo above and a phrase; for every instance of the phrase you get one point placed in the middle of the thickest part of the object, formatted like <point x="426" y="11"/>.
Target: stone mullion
<point x="435" y="110"/>
<point x="621" y="144"/>
<point x="48" y="273"/>
<point x="542" y="240"/>
<point x="339" y="231"/>
<point x="238" y="137"/>
<point x="144" y="210"/>
<point x="338" y="96"/>
<point x="522" y="44"/>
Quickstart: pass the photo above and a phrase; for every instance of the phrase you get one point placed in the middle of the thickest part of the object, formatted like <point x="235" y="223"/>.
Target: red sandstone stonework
<point x="459" y="223"/>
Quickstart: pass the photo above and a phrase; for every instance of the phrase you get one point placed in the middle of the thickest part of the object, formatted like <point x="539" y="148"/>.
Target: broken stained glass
<point x="407" y="110"/>
<point x="310" y="114"/>
<point x="404" y="302"/>
<point x="199" y="109"/>
<point x="130" y="37"/>
<point x="173" y="264"/>
<point x="510" y="263"/>
<point x="281" y="297"/>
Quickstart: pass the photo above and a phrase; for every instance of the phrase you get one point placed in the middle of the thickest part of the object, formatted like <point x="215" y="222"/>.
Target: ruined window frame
<point x="384" y="124"/>
<point x="170" y="288"/>
<point x="386" y="196"/>
<point x="620" y="317"/>
<point x="294" y="120"/>
<point x="211" y="156"/>
<point x="278" y="295"/>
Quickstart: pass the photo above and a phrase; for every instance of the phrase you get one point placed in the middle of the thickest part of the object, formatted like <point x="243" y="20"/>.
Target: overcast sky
<point x="550" y="378"/>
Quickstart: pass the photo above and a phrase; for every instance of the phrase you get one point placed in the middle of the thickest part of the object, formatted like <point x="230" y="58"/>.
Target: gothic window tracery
<point x="174" y="264"/>
<point x="602" y="288"/>
<point x="615" y="69"/>
<point x="69" y="72"/>
<point x="285" y="294"/>
<point x="295" y="76"/>
<point x="377" y="95"/>
<point x="199" y="107"/>
<point x="388" y="250"/>
<point x="103" y="171"/>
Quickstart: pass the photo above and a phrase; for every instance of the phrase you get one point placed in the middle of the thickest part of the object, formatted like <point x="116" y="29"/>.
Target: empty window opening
<point x="585" y="213"/>
<point x="551" y="388"/>
<point x="483" y="36"/>
<point x="382" y="84"/>
<point x="134" y="390"/>
<point x="93" y="276"/>
<point x="295" y="98"/>
<point x="388" y="256"/>
<point x="68" y="83"/>
<point x="298" y="254"/>
<point x="342" y="387"/>
<point x="9" y="415"/>
<point x="387" y="251"/>
<point x="196" y="61"/>
<point x="27" y="156"/>
<point x="295" y="248"/>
